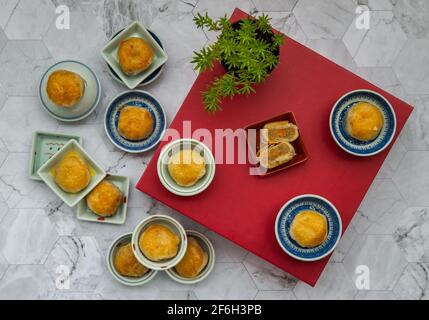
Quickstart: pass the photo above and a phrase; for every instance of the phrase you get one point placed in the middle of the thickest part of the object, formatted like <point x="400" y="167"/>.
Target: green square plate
<point x="123" y="183"/>
<point x="45" y="172"/>
<point x="110" y="54"/>
<point x="45" y="145"/>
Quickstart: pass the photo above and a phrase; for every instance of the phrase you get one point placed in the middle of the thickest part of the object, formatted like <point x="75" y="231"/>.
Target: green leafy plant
<point x="248" y="49"/>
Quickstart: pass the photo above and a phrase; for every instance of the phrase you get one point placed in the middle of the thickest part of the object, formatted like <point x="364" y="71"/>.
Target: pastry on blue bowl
<point x="363" y="123"/>
<point x="308" y="227"/>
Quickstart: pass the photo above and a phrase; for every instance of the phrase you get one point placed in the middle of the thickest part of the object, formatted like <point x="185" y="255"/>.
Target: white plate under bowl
<point x="85" y="106"/>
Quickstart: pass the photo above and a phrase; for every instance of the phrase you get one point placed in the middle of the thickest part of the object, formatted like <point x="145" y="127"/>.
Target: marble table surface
<point x="40" y="236"/>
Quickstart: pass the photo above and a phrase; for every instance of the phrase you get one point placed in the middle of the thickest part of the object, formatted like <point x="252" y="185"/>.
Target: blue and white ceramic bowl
<point x="289" y="211"/>
<point x="337" y="123"/>
<point x="86" y="105"/>
<point x="136" y="98"/>
<point x="150" y="78"/>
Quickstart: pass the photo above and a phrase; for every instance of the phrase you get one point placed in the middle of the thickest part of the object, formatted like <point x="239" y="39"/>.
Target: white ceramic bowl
<point x="164" y="175"/>
<point x="128" y="281"/>
<point x="174" y="226"/>
<point x="208" y="248"/>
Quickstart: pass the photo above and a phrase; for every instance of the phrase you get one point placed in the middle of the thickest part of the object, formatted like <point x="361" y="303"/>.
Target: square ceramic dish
<point x="110" y="54"/>
<point x="45" y="172"/>
<point x="298" y="144"/>
<point x="85" y="214"/>
<point x="45" y="145"/>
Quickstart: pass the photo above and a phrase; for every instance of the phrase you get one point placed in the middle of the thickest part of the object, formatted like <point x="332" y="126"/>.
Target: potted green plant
<point x="249" y="51"/>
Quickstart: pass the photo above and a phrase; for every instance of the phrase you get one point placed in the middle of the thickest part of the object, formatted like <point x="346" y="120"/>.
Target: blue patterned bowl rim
<point x="147" y="101"/>
<point x="348" y="143"/>
<point x="288" y="212"/>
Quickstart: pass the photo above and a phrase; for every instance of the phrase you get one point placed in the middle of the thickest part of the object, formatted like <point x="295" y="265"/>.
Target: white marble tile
<point x="3" y="41"/>
<point x="333" y="50"/>
<point x="275" y="5"/>
<point x="176" y="295"/>
<point x="62" y="217"/>
<point x="227" y="281"/>
<point x="414" y="283"/>
<point x="377" y="5"/>
<point x="3" y="266"/>
<point x="24" y="115"/>
<point x="412" y="67"/>
<point x="334" y="284"/>
<point x="415" y="134"/>
<point x="385" y="78"/>
<point x="28" y="59"/>
<point x="30" y="19"/>
<point x="322" y="19"/>
<point x="381" y="255"/>
<point x="26" y="236"/>
<point x="380" y="44"/>
<point x="266" y="276"/>
<point x="87" y="296"/>
<point x="26" y="282"/>
<point x="375" y="295"/>
<point x="82" y="257"/>
<point x="226" y="251"/>
<point x="219" y="8"/>
<point x="14" y="164"/>
<point x="413" y="15"/>
<point x="275" y="295"/>
<point x="412" y="234"/>
<point x="3" y="209"/>
<point x="7" y="7"/>
<point x="3" y="152"/>
<point x="382" y="198"/>
<point x="344" y="245"/>
<point x="411" y="178"/>
<point x="394" y="158"/>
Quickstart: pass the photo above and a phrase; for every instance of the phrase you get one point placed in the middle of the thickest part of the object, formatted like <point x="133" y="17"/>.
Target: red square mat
<point x="242" y="207"/>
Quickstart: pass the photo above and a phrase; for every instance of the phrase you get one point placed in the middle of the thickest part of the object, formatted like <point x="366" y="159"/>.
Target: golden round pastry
<point x="158" y="242"/>
<point x="274" y="155"/>
<point x="309" y="229"/>
<point x="126" y="264"/>
<point x="65" y="88"/>
<point x="135" y="55"/>
<point x="135" y="123"/>
<point x="105" y="199"/>
<point x="186" y="167"/>
<point x="194" y="260"/>
<point x="72" y="173"/>
<point x="364" y="121"/>
<point x="279" y="131"/>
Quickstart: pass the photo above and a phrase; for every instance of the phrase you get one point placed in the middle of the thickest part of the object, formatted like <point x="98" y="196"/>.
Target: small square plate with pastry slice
<point x="45" y="145"/>
<point x="275" y="144"/>
<point x="132" y="78"/>
<point x="118" y="217"/>
<point x="71" y="161"/>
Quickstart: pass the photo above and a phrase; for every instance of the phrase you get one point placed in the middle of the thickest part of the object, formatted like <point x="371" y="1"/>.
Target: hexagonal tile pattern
<point x="3" y="209"/>
<point x="334" y="284"/>
<point x="3" y="152"/>
<point x="7" y="7"/>
<point x="322" y="19"/>
<point x="227" y="281"/>
<point x="26" y="58"/>
<point x="83" y="259"/>
<point x="221" y="7"/>
<point x="23" y="114"/>
<point x="413" y="15"/>
<point x="26" y="236"/>
<point x="412" y="234"/>
<point x="30" y="19"/>
<point x="275" y="5"/>
<point x="3" y="40"/>
<point x="380" y="44"/>
<point x="377" y="5"/>
<point x="414" y="283"/>
<point x="380" y="209"/>
<point x="394" y="158"/>
<point x="412" y="66"/>
<point x="415" y="135"/>
<point x="26" y="282"/>
<point x="3" y="265"/>
<point x="381" y="255"/>
<point x="344" y="245"/>
<point x="412" y="178"/>
<point x="333" y="50"/>
<point x="226" y="251"/>
<point x="375" y="295"/>
<point x="267" y="276"/>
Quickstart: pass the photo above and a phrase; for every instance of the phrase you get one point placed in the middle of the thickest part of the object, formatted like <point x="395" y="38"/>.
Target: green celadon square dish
<point x="45" y="145"/>
<point x="85" y="214"/>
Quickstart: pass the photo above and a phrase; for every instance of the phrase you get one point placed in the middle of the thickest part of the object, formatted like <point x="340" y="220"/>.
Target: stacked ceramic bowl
<point x="160" y="243"/>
